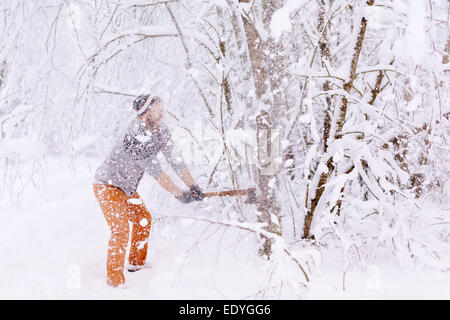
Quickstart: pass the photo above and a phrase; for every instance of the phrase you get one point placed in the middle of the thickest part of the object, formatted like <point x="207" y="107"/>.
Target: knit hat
<point x="142" y="103"/>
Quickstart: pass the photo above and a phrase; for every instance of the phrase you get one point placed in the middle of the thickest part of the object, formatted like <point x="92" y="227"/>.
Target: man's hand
<point x="193" y="194"/>
<point x="186" y="197"/>
<point x="197" y="193"/>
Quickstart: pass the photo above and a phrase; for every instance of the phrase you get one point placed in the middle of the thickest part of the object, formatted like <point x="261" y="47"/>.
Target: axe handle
<point x="242" y="192"/>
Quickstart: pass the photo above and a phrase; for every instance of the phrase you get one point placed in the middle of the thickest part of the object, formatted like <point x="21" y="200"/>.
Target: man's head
<point x="149" y="108"/>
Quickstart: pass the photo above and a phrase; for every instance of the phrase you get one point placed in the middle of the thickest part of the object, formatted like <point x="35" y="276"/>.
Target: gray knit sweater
<point x="134" y="154"/>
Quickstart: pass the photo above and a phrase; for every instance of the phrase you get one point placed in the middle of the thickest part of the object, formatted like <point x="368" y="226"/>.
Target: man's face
<point x="155" y="114"/>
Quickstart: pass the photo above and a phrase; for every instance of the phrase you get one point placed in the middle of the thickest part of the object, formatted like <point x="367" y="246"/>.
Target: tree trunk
<point x="340" y="120"/>
<point x="2" y="72"/>
<point x="268" y="148"/>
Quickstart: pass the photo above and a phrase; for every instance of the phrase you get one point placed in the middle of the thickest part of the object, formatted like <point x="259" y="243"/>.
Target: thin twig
<point x="247" y="227"/>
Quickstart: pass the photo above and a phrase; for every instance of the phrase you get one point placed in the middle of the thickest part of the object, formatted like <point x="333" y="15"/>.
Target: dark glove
<point x="186" y="197"/>
<point x="197" y="193"/>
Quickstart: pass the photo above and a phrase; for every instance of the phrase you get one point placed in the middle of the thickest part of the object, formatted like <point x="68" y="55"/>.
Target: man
<point x="117" y="179"/>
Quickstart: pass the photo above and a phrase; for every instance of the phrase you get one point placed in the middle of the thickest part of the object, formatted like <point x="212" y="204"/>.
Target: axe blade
<point x="251" y="196"/>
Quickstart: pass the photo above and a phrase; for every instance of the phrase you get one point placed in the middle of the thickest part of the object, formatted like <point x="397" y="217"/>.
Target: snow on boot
<point x="133" y="268"/>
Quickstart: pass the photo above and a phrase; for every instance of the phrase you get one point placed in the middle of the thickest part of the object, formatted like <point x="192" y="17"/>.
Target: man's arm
<point x="139" y="153"/>
<point x="167" y="183"/>
<point x="184" y="196"/>
<point x="187" y="178"/>
<point x="178" y="166"/>
<point x="182" y="171"/>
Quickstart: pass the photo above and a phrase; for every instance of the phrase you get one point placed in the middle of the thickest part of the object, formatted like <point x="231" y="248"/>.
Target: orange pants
<point x="118" y="210"/>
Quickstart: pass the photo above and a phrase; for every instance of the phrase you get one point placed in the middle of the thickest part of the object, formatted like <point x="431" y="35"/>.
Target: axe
<point x="250" y="193"/>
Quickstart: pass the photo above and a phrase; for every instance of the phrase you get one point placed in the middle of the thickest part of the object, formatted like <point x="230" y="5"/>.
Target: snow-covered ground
<point x="53" y="246"/>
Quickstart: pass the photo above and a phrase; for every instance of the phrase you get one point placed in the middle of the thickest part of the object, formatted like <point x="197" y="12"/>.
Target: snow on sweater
<point x="134" y="154"/>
